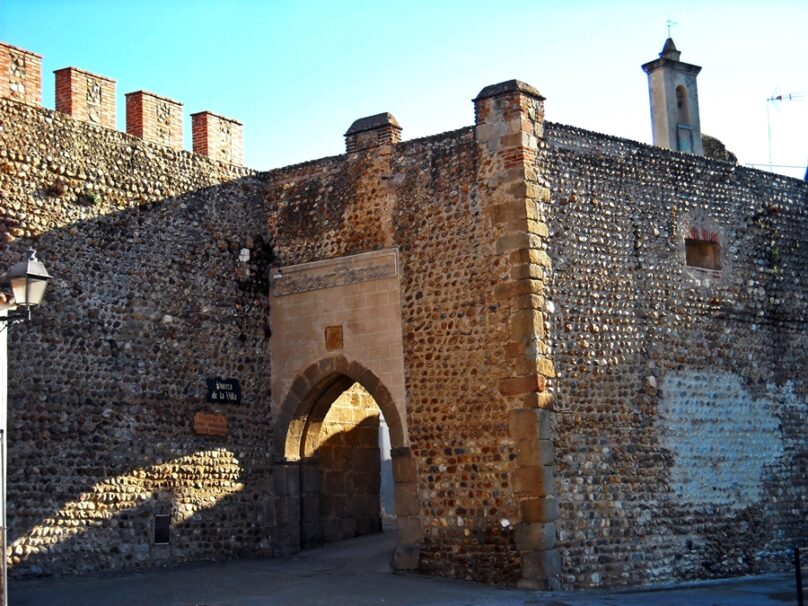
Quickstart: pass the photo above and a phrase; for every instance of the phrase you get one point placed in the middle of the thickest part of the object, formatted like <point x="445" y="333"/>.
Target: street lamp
<point x="27" y="281"/>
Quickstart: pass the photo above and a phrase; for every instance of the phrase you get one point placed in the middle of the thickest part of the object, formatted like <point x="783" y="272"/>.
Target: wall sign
<point x="210" y="424"/>
<point x="224" y="391"/>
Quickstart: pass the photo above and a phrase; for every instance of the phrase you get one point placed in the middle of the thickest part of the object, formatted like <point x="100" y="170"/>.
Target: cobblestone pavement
<point x="357" y="572"/>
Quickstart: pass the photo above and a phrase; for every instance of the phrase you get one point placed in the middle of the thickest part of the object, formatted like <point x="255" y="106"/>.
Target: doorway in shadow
<point x="345" y="499"/>
<point x="331" y="475"/>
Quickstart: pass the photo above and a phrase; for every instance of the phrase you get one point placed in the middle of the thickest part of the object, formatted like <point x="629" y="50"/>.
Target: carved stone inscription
<point x="334" y="272"/>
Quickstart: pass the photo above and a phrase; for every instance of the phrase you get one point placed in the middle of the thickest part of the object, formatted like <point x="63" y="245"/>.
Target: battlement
<point x="90" y="98"/>
<point x="154" y="118"/>
<point x="20" y="74"/>
<point x="217" y="137"/>
<point x="85" y="96"/>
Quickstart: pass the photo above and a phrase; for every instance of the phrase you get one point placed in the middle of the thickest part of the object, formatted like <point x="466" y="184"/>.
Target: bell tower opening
<point x="681" y="105"/>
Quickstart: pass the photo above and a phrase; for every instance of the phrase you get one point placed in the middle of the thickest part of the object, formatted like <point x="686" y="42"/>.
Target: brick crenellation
<point x="90" y="98"/>
<point x="85" y="96"/>
<point x="218" y="137"/>
<point x="20" y="74"/>
<point x="154" y="118"/>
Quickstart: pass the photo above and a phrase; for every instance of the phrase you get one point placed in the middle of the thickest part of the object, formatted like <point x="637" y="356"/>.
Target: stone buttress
<point x="509" y="126"/>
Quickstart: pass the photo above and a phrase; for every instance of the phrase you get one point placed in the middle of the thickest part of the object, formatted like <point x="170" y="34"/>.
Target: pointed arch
<point x="307" y="402"/>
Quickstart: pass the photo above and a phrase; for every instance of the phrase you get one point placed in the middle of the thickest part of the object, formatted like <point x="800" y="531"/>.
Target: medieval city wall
<point x="681" y="392"/>
<point x="527" y="257"/>
<point x="160" y="282"/>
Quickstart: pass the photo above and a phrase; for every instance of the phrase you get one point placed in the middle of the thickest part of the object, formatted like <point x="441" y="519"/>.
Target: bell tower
<point x="674" y="101"/>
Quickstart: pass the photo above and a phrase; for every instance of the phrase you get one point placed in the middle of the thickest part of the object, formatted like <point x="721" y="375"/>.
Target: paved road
<point x="351" y="573"/>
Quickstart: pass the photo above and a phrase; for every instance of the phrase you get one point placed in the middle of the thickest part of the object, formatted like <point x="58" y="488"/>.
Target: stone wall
<point x="578" y="403"/>
<point x="681" y="397"/>
<point x="159" y="263"/>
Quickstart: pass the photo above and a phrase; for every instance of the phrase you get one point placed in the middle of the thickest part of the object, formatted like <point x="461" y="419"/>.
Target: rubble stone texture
<point x="582" y="408"/>
<point x="681" y="401"/>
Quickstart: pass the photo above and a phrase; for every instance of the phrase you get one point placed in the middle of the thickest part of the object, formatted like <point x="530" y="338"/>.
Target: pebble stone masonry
<point x="584" y="402"/>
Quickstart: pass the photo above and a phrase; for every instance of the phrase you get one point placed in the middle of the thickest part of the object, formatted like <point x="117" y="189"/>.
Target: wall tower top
<point x="674" y="101"/>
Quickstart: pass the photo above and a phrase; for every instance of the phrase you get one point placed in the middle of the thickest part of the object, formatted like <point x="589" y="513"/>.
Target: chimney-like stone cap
<point x="372" y="123"/>
<point x="511" y="86"/>
<point x="666" y="61"/>
<point x="670" y="57"/>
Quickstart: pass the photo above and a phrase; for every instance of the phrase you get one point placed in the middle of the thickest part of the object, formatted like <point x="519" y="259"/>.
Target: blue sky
<point x="298" y="73"/>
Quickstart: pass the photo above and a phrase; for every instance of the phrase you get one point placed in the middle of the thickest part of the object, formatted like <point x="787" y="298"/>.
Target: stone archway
<point x="297" y="426"/>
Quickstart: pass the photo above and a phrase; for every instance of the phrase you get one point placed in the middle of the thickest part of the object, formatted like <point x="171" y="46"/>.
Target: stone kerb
<point x="509" y="125"/>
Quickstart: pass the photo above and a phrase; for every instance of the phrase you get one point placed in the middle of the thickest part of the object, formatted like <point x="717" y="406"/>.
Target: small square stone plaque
<point x="333" y="338"/>
<point x="210" y="424"/>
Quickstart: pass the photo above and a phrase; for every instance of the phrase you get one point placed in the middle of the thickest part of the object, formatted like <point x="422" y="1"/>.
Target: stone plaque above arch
<point x="330" y="273"/>
<point x="359" y="293"/>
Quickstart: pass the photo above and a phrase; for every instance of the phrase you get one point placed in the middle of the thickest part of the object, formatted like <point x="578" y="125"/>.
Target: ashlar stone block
<point x="407" y="503"/>
<point x="536" y="536"/>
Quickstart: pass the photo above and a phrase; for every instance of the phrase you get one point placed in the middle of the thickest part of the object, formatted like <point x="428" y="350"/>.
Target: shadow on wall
<point x="114" y="532"/>
<point x="146" y="304"/>
<point x="350" y="482"/>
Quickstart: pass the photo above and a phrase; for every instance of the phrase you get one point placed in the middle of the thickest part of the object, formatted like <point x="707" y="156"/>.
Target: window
<point x="702" y="254"/>
<point x="683" y="111"/>
<point x="162" y="529"/>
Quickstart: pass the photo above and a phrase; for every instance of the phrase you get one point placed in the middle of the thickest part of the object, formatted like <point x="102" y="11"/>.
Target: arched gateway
<point x="299" y="431"/>
<point x="337" y="363"/>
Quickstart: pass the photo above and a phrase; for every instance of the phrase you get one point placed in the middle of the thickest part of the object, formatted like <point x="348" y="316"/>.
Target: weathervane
<point x="670" y="23"/>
